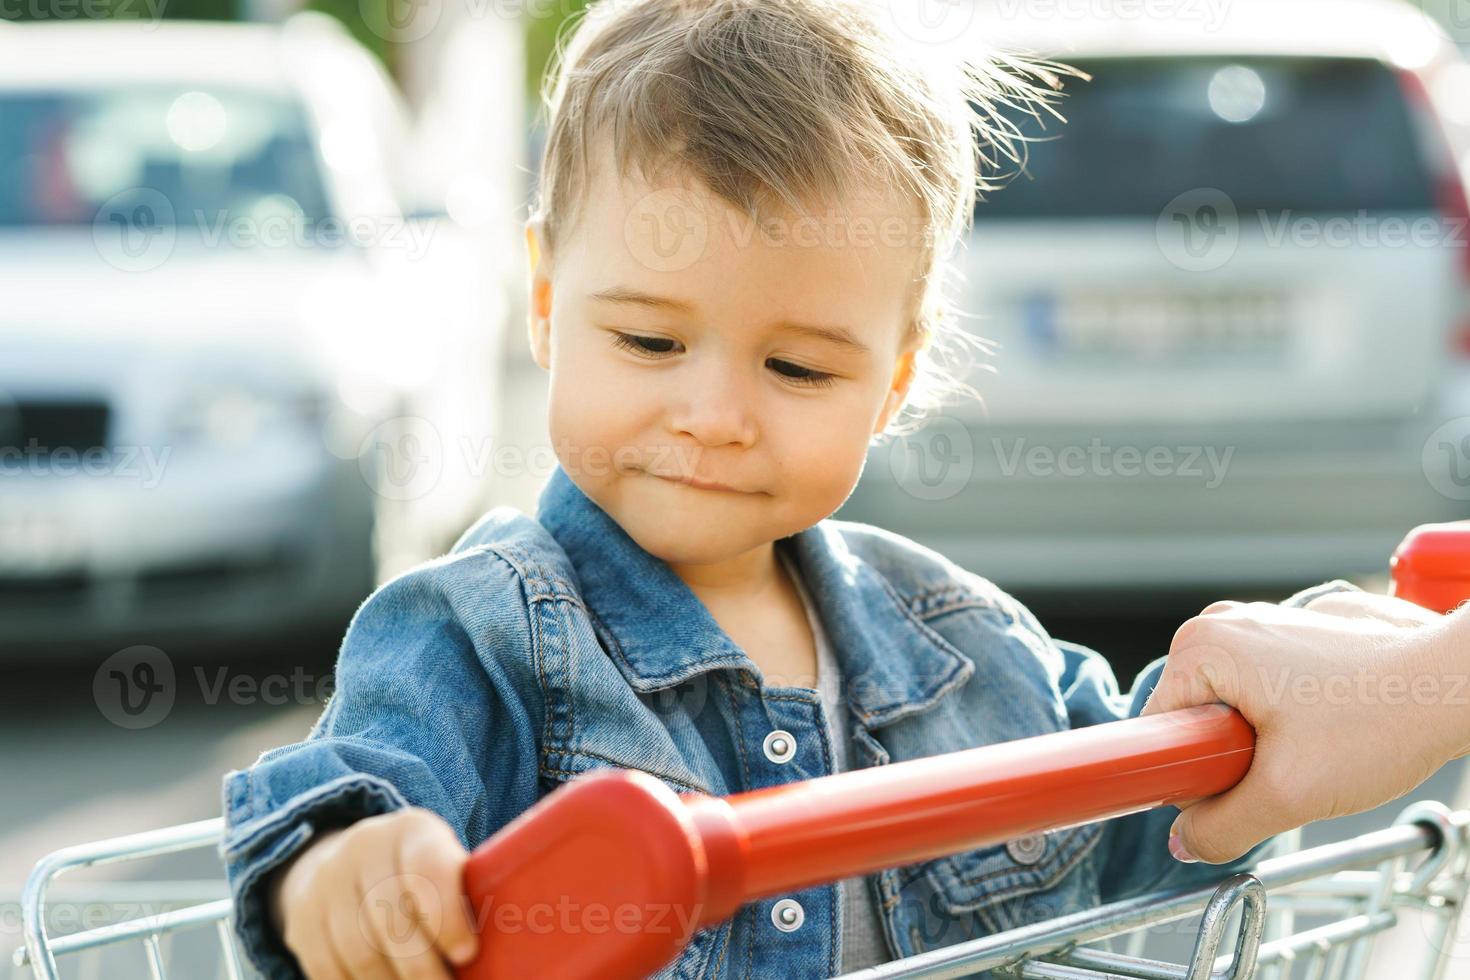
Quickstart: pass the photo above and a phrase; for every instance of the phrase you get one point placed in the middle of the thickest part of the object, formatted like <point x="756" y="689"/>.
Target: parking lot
<point x="263" y="348"/>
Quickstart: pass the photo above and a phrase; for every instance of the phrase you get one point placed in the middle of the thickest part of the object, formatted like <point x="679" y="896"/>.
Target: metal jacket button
<point x="779" y="746"/>
<point x="1028" y="849"/>
<point x="787" y="915"/>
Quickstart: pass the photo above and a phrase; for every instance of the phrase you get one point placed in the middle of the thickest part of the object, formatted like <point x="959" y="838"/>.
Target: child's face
<point x="710" y="381"/>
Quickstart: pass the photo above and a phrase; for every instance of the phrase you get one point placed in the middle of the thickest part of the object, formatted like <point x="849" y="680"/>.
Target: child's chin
<point x="685" y="540"/>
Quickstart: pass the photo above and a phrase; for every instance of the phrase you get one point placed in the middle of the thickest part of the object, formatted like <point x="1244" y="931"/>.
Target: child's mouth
<point x="696" y="483"/>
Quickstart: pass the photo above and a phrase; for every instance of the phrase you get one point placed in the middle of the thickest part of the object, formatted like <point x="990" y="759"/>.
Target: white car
<point x="209" y="343"/>
<point x="1229" y="303"/>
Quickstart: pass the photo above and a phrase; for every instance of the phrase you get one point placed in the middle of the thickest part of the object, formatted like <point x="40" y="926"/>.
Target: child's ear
<point x="898" y="391"/>
<point x="538" y="314"/>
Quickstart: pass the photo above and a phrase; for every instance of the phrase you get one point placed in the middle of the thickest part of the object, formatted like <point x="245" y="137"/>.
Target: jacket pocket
<point x="1026" y="880"/>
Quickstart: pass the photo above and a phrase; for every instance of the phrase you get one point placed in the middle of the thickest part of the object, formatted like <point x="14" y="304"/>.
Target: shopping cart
<point x="1300" y="914"/>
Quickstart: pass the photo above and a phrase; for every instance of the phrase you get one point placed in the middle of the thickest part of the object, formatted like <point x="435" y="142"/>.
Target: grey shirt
<point x="862" y="930"/>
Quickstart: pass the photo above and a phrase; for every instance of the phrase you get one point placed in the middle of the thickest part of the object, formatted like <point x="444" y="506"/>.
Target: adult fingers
<point x="1371" y="605"/>
<point x="1195" y="673"/>
<point x="1222" y="828"/>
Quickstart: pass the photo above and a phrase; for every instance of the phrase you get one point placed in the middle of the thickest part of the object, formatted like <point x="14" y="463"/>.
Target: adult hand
<point x="1355" y="699"/>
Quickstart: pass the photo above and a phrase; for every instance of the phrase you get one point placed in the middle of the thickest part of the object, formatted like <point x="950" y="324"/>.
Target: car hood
<point x="72" y="310"/>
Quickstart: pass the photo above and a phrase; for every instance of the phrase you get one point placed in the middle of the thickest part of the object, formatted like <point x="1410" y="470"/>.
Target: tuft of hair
<point x="774" y="104"/>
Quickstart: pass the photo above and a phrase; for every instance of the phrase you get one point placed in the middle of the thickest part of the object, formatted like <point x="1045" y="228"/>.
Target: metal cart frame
<point x="1421" y="863"/>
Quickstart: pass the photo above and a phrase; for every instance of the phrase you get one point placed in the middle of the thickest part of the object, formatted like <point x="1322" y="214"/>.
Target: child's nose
<point x="716" y="409"/>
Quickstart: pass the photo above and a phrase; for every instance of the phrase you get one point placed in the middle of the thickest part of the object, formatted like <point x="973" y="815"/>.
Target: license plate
<point x="35" y="544"/>
<point x="1149" y="327"/>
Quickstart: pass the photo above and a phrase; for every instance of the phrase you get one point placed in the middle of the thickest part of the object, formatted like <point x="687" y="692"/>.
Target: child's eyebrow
<point x="840" y="336"/>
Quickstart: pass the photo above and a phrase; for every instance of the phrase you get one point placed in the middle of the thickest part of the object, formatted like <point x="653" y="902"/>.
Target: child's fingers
<point x="433" y="859"/>
<point x="315" y="954"/>
<point x="357" y="951"/>
<point x="319" y="962"/>
<point x="412" y="931"/>
<point x="305" y="930"/>
<point x="395" y="921"/>
<point x="445" y="923"/>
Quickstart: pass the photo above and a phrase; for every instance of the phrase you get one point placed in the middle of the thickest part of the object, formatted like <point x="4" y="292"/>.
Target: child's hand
<point x="379" y="900"/>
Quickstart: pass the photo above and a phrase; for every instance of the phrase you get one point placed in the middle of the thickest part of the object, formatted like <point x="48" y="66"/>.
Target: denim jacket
<point x="539" y="649"/>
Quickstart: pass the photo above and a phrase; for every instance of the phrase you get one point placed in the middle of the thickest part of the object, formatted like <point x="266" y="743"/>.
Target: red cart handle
<point x="610" y="875"/>
<point x="1432" y="566"/>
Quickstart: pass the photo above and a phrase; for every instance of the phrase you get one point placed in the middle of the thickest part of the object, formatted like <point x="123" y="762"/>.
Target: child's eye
<point x="642" y="345"/>
<point x="801" y="375"/>
<point x="658" y="346"/>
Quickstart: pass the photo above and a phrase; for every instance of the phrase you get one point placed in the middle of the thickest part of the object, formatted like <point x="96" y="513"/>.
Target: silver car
<point x="198" y="339"/>
<point x="1228" y="298"/>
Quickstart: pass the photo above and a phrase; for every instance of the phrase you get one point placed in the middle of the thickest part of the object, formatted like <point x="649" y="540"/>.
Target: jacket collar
<point x="662" y="635"/>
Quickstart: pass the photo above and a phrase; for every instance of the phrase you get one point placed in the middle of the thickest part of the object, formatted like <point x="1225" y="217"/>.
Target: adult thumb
<point x="1219" y="829"/>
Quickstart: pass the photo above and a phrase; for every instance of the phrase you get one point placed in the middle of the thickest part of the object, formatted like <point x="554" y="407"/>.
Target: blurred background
<point x="262" y="346"/>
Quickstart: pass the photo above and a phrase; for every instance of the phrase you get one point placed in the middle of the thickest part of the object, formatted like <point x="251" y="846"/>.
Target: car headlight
<point x="232" y="416"/>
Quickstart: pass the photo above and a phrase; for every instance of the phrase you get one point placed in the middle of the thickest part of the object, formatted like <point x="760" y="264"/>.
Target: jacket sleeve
<point x="429" y="709"/>
<point x="1134" y="848"/>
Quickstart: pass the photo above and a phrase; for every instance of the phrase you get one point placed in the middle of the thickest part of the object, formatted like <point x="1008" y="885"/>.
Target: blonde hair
<point x="772" y="103"/>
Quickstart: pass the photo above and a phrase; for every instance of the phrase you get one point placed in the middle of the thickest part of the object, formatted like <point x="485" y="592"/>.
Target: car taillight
<point x="1460" y="339"/>
<point x="1449" y="194"/>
